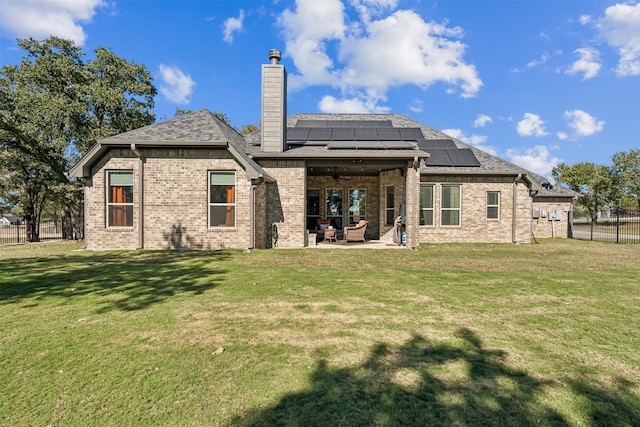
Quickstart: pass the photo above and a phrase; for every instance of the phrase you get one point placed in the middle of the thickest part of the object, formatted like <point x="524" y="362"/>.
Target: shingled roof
<point x="199" y="129"/>
<point x="488" y="163"/>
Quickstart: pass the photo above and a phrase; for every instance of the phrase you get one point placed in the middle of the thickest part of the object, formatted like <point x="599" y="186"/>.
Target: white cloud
<point x="373" y="54"/>
<point x="416" y="106"/>
<point x="482" y="120"/>
<point x="176" y="86"/>
<point x="544" y="58"/>
<point x="231" y="26"/>
<point x="562" y="136"/>
<point x="584" y="19"/>
<point x="329" y="104"/>
<point x="537" y="159"/>
<point x="588" y="64"/>
<point x="620" y="28"/>
<point x="531" y="125"/>
<point x="475" y="140"/>
<point x="43" y="18"/>
<point x="368" y="8"/>
<point x="582" y="123"/>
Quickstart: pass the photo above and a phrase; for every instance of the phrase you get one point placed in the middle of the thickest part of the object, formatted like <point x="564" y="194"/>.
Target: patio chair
<point x="323" y="224"/>
<point x="356" y="232"/>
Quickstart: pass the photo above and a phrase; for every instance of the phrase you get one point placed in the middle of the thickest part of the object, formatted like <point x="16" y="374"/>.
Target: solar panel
<point x="343" y="134"/>
<point x="384" y="124"/>
<point x="463" y="157"/>
<point x="366" y="134"/>
<point x="433" y="144"/>
<point x="312" y="123"/>
<point x="299" y="134"/>
<point x="343" y="123"/>
<point x="438" y="157"/>
<point x="411" y="134"/>
<point x="388" y="134"/>
<point x="320" y="134"/>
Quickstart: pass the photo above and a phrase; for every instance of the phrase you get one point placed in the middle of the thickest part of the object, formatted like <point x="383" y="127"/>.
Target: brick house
<point x="193" y="182"/>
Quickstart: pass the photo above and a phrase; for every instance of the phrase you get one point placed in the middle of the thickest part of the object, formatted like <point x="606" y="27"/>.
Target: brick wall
<point x="286" y="202"/>
<point x="474" y="226"/>
<point x="175" y="193"/>
<point x="398" y="181"/>
<point x="542" y="227"/>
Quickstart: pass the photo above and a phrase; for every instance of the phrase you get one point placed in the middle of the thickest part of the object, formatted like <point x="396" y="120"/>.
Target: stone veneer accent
<point x="175" y="201"/>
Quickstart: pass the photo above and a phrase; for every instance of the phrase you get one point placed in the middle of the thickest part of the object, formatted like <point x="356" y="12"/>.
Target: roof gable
<point x="198" y="129"/>
<point x="200" y="126"/>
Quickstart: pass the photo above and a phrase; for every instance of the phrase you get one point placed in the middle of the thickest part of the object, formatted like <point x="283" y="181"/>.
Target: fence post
<point x="617" y="225"/>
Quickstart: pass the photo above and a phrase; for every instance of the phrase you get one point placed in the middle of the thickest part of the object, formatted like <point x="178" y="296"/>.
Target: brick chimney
<point x="274" y="105"/>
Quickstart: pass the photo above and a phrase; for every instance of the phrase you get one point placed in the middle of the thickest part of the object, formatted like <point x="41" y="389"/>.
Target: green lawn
<point x="543" y="334"/>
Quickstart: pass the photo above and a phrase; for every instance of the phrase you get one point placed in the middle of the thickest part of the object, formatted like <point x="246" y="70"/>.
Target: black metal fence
<point x="620" y="228"/>
<point x="11" y="234"/>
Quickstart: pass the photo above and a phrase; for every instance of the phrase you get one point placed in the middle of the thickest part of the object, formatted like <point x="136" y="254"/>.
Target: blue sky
<point x="534" y="82"/>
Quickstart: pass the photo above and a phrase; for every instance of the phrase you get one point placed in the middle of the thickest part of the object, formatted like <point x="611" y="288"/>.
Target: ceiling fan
<point x="338" y="177"/>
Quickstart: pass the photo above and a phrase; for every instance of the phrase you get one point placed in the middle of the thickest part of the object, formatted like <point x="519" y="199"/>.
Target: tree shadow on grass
<point x="420" y="383"/>
<point x="121" y="280"/>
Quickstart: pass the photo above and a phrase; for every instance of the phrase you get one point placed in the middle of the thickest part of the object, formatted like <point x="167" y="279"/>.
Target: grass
<point x="542" y="334"/>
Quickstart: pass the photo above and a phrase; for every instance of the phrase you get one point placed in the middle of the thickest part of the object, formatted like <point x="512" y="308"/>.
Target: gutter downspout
<point x="141" y="160"/>
<point x="514" y="221"/>
<point x="415" y="216"/>
<point x="252" y="208"/>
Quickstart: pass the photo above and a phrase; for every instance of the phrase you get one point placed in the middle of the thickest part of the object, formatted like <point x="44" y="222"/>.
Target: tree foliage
<point x="601" y="186"/>
<point x="54" y="106"/>
<point x="626" y="173"/>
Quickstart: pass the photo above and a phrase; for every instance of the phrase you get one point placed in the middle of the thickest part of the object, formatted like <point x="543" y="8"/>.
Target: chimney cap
<point x="274" y="56"/>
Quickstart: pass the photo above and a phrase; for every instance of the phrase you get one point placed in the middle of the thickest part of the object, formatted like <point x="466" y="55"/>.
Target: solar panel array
<point x="307" y="134"/>
<point x="378" y="135"/>
<point x="452" y="157"/>
<point x="344" y="124"/>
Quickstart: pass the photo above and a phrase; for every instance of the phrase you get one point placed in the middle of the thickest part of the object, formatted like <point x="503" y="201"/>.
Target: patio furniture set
<point x="328" y="233"/>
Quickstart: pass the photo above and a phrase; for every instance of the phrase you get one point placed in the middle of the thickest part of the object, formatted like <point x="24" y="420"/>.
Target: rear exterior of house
<point x="194" y="183"/>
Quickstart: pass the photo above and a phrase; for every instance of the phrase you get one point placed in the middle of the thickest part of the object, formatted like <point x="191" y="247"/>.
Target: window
<point x="390" y="207"/>
<point x="222" y="199"/>
<point x="334" y="207"/>
<point x="120" y="199"/>
<point x="357" y="206"/>
<point x="426" y="204"/>
<point x="313" y="208"/>
<point x="493" y="204"/>
<point x="450" y="205"/>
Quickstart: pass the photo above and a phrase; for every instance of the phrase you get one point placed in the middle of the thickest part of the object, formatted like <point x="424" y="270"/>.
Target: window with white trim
<point x="222" y="199"/>
<point x="450" y="205"/>
<point x="426" y="204"/>
<point x="120" y="198"/>
<point x="493" y="205"/>
<point x="390" y="208"/>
